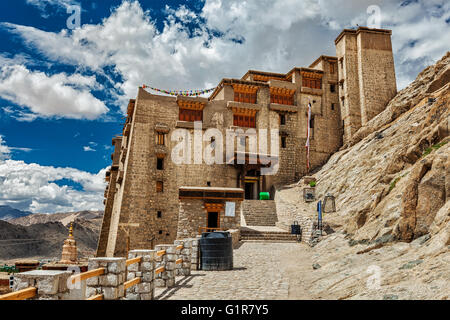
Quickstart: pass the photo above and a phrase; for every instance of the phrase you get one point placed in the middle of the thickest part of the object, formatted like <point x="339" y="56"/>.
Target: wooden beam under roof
<point x="282" y="91"/>
<point x="191" y="105"/>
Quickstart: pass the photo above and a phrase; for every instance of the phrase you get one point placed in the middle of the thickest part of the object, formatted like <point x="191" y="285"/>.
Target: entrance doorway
<point x="213" y="220"/>
<point x="249" y="190"/>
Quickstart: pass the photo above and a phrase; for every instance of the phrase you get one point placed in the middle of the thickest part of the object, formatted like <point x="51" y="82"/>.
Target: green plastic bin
<point x="264" y="196"/>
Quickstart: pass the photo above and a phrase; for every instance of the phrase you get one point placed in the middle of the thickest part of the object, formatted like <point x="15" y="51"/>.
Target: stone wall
<point x="50" y="284"/>
<point x="235" y="236"/>
<point x="110" y="284"/>
<point x="192" y="214"/>
<point x="366" y="76"/>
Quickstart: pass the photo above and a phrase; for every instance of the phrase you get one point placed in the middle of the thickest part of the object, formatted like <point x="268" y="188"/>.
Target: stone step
<point x="259" y="241"/>
<point x="267" y="236"/>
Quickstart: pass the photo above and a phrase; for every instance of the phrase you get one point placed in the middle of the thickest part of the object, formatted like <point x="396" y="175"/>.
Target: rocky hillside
<point x="392" y="181"/>
<point x="42" y="235"/>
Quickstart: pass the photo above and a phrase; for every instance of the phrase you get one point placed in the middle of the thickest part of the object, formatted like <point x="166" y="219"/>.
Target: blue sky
<point x="63" y="91"/>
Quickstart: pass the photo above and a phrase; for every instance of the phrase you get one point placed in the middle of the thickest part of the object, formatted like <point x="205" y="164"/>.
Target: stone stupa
<point x="69" y="252"/>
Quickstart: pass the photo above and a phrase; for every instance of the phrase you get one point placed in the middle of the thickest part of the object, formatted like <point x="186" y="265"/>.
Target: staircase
<point x="269" y="234"/>
<point x="260" y="212"/>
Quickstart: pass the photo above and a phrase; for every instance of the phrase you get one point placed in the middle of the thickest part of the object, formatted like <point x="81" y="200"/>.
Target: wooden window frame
<point x="245" y="97"/>
<point x="190" y="115"/>
<point x="159" y="186"/>
<point x="160" y="138"/>
<point x="312" y="83"/>
<point x="332" y="67"/>
<point x="245" y="121"/>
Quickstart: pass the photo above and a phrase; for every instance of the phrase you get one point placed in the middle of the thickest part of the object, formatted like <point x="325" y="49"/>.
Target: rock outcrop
<point x="392" y="181"/>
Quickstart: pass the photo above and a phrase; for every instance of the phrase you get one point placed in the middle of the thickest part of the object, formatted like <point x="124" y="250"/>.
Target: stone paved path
<point x="257" y="275"/>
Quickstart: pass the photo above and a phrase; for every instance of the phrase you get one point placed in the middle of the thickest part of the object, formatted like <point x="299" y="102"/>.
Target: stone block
<point x="93" y="265"/>
<point x="148" y="276"/>
<point x="147" y="266"/>
<point x="121" y="291"/>
<point x="160" y="283"/>
<point x="92" y="281"/>
<point x="147" y="296"/>
<point x="170" y="266"/>
<point x="132" y="296"/>
<point x="133" y="267"/>
<point x="109" y="280"/>
<point x="186" y="252"/>
<point x="131" y="275"/>
<point x="170" y="282"/>
<point x="185" y="272"/>
<point x="20" y="284"/>
<point x="110" y="293"/>
<point x="91" y="291"/>
<point x="47" y="285"/>
<point x="171" y="257"/>
<point x="117" y="266"/>
<point x="143" y="287"/>
<point x="171" y="250"/>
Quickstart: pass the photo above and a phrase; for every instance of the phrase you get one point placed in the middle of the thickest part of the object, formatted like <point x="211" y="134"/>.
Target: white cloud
<point x="5" y="151"/>
<point x="44" y="5"/>
<point x="233" y="36"/>
<point x="32" y="187"/>
<point x="88" y="149"/>
<point x="58" y="95"/>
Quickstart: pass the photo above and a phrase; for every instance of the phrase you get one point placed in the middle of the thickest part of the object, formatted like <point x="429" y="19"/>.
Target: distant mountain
<point x="8" y="213"/>
<point x="64" y="217"/>
<point x="42" y="235"/>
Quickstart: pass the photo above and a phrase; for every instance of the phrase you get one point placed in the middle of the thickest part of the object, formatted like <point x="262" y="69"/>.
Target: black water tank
<point x="216" y="250"/>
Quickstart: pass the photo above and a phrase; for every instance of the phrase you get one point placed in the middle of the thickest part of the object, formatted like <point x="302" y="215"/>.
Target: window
<point x="282" y="119"/>
<point x="282" y="99"/>
<point x="160" y="138"/>
<point x="159" y="214"/>
<point x="208" y="183"/>
<point x="160" y="231"/>
<point x="332" y="106"/>
<point x="332" y="67"/>
<point x="332" y="88"/>
<point x="159" y="163"/>
<point x="244" y="121"/>
<point x="159" y="186"/>
<point x="283" y="142"/>
<point x="190" y="115"/>
<point x="312" y="83"/>
<point x="244" y="97"/>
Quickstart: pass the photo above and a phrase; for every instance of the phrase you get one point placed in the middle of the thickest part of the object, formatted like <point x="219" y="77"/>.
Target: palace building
<point x="151" y="200"/>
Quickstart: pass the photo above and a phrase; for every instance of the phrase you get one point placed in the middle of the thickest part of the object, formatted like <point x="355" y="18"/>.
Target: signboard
<point x="230" y="208"/>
